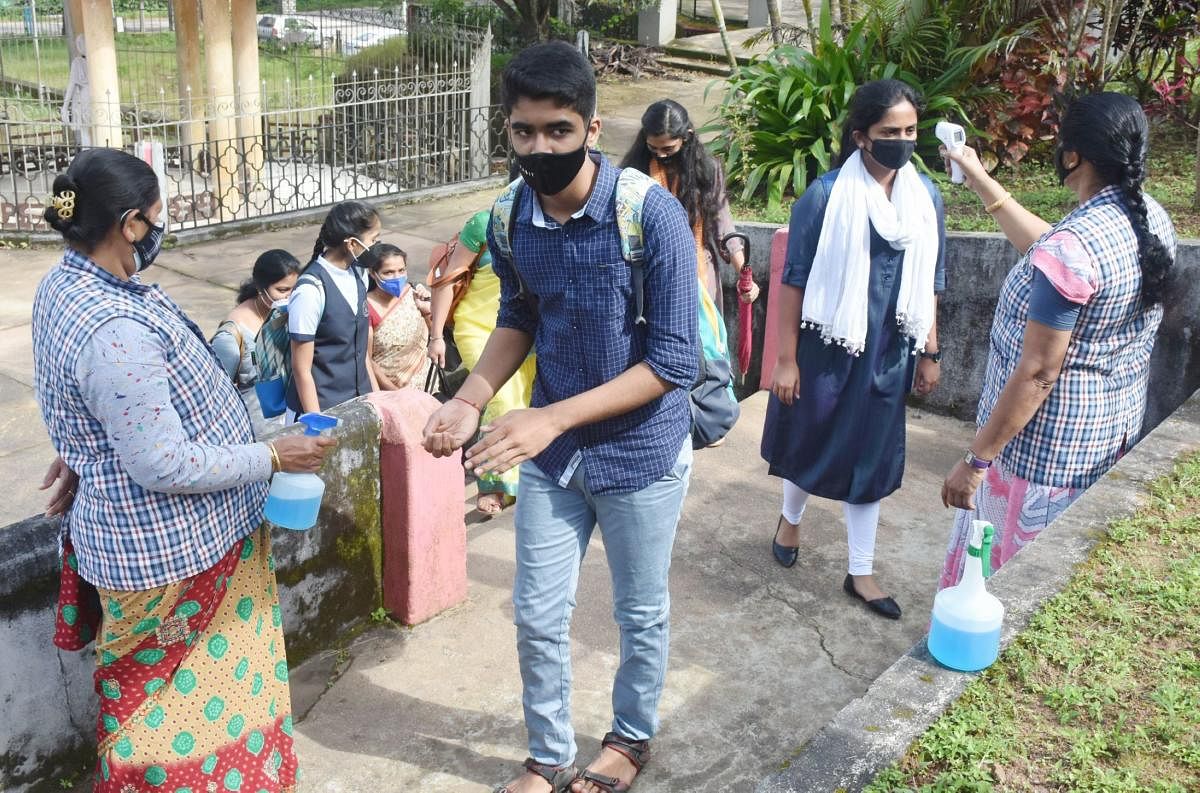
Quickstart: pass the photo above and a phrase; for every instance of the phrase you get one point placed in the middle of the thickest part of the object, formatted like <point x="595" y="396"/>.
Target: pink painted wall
<point x="770" y="334"/>
<point x="424" y="532"/>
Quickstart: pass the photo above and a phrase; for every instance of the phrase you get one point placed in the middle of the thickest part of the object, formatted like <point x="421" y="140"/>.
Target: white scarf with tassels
<point x="836" y="295"/>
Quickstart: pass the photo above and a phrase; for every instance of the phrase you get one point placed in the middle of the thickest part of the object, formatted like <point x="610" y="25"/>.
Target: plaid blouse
<point x="1095" y="409"/>
<point x="138" y="405"/>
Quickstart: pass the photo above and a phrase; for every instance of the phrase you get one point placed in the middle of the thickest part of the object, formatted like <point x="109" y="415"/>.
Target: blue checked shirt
<point x="138" y="405"/>
<point x="1095" y="409"/>
<point x="585" y="334"/>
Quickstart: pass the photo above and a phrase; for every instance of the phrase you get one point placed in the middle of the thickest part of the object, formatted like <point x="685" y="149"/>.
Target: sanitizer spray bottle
<point x="965" y="632"/>
<point x="295" y="499"/>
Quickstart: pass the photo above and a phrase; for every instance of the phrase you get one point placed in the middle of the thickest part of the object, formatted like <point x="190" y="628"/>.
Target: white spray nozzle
<point x="953" y="137"/>
<point x="977" y="527"/>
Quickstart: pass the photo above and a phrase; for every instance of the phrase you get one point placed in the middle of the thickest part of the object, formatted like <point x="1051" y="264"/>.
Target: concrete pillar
<point x="96" y="21"/>
<point x="757" y="15"/>
<point x="72" y="24"/>
<point x="479" y="128"/>
<point x="424" y="536"/>
<point x="248" y="84"/>
<point x="222" y="105"/>
<point x="191" y="80"/>
<point x="656" y="25"/>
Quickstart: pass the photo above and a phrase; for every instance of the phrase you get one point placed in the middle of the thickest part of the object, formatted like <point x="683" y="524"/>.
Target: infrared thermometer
<point x="953" y="137"/>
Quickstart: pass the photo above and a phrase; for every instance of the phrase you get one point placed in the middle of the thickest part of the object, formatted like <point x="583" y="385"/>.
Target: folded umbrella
<point x="745" y="310"/>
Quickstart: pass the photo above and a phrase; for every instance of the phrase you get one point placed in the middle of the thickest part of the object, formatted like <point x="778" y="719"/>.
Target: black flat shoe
<point x="783" y="554"/>
<point x="884" y="606"/>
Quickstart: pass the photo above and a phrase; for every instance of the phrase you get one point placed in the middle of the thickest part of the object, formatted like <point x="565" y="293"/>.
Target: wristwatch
<point x="976" y="462"/>
<point x="936" y="357"/>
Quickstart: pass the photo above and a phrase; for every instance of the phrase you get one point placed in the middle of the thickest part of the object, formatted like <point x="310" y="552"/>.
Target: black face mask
<point x="369" y="258"/>
<point x="146" y="250"/>
<point x="1060" y="167"/>
<point x="669" y="159"/>
<point x="549" y="174"/>
<point x="893" y="153"/>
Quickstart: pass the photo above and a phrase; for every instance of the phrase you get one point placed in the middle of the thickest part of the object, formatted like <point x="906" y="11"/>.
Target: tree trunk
<point x="845" y="10"/>
<point x="808" y="20"/>
<point x="720" y="17"/>
<point x="776" y="21"/>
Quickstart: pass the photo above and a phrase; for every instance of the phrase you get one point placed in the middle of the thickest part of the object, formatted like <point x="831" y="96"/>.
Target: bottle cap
<point x="316" y="423"/>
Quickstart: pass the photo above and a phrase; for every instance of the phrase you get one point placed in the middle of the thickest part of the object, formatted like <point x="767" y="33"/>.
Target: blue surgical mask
<point x="393" y="286"/>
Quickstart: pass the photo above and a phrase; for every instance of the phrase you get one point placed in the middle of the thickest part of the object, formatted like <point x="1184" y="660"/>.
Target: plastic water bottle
<point x="295" y="499"/>
<point x="965" y="632"/>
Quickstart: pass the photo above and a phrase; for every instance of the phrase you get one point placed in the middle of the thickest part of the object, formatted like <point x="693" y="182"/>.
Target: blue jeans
<point x="554" y="525"/>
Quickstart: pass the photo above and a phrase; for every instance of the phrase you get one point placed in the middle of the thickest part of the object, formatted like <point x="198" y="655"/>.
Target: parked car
<point x="288" y="31"/>
<point x="361" y="41"/>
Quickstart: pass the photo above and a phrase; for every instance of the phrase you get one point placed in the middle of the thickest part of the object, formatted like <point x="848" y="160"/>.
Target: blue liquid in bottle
<point x="295" y="499"/>
<point x="293" y="513"/>
<point x="966" y="651"/>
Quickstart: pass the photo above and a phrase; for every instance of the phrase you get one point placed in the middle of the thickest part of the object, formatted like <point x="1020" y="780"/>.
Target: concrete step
<point x="719" y="69"/>
<point x="683" y="52"/>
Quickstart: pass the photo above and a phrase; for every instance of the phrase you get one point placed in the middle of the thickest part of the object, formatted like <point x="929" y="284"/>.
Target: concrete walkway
<point x="761" y="657"/>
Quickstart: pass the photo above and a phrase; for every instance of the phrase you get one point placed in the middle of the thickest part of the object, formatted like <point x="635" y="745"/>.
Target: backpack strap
<point x="231" y="327"/>
<point x="630" y="204"/>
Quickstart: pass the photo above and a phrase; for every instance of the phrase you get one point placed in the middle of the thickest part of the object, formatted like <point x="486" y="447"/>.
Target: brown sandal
<point x="636" y="752"/>
<point x="559" y="777"/>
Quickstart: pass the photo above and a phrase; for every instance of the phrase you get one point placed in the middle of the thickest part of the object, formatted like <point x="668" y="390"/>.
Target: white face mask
<point x="280" y="304"/>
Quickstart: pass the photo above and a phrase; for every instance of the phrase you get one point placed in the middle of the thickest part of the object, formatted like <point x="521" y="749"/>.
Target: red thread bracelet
<point x="469" y="402"/>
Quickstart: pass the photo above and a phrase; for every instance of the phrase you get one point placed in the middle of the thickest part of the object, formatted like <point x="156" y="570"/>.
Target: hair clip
<point x="64" y="204"/>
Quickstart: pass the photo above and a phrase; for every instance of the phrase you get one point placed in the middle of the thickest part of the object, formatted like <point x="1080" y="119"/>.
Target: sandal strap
<point x="559" y="777"/>
<point x="609" y="784"/>
<point x="636" y="752"/>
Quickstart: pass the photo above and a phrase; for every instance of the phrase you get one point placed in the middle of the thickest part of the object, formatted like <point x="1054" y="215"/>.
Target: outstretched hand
<point x="450" y="428"/>
<point x="967" y="159"/>
<point x="510" y="440"/>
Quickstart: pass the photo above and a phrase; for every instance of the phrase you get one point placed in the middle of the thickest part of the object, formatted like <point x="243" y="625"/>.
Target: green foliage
<point x="384" y="56"/>
<point x="783" y="114"/>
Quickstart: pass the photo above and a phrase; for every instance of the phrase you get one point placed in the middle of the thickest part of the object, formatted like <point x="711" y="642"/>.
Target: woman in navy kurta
<point x="843" y="435"/>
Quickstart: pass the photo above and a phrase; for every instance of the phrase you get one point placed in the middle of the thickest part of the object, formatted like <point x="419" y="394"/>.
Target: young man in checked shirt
<point x="607" y="439"/>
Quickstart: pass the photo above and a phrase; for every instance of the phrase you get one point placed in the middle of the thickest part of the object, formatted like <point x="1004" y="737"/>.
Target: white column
<point x="656" y="26"/>
<point x="191" y="80"/>
<point x="222" y="103"/>
<point x="97" y="23"/>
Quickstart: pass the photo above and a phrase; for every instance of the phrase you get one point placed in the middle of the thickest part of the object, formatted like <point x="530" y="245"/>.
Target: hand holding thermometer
<point x="953" y="138"/>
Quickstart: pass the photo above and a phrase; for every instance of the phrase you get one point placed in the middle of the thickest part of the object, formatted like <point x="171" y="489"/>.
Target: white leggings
<point x="861" y="522"/>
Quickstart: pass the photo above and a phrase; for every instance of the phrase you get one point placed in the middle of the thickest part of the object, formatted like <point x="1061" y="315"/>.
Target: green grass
<point x="146" y="63"/>
<point x="1102" y="691"/>
<point x="1171" y="182"/>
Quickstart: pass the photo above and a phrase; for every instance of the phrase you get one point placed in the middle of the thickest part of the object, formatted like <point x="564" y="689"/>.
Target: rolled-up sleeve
<point x="672" y="347"/>
<point x="123" y="379"/>
<point x="804" y="231"/>
<point x="939" y="209"/>
<point x="515" y="312"/>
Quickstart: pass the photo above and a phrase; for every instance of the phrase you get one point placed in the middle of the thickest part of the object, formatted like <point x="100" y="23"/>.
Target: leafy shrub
<point x="783" y="114"/>
<point x="1155" y="39"/>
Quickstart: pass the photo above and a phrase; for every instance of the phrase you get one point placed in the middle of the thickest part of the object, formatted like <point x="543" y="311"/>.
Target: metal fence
<point x="379" y="125"/>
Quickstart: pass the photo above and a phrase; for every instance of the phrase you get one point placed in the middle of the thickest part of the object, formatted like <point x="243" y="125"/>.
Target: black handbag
<point x="435" y="383"/>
